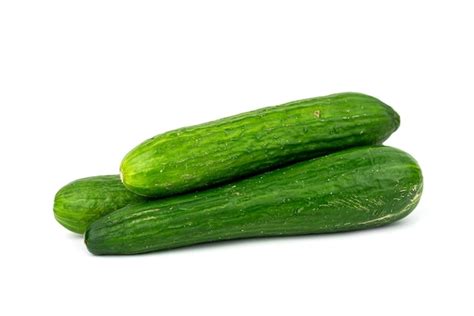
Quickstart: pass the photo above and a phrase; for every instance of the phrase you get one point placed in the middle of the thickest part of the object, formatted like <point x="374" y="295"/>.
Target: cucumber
<point x="200" y="156"/>
<point x="80" y="202"/>
<point x="357" y="188"/>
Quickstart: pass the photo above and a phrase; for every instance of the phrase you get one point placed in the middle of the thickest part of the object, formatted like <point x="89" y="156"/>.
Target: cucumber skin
<point x="82" y="201"/>
<point x="358" y="188"/>
<point x="204" y="155"/>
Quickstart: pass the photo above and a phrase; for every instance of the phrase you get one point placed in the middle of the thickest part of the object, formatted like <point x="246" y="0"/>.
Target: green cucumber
<point x="357" y="188"/>
<point x="80" y="202"/>
<point x="200" y="156"/>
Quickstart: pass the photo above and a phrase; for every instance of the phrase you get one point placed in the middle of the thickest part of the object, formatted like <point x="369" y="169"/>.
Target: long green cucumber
<point x="357" y="188"/>
<point x="220" y="151"/>
<point x="80" y="202"/>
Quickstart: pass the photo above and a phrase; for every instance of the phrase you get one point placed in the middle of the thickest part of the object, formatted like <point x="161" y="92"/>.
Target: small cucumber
<point x="80" y="202"/>
<point x="200" y="156"/>
<point x="357" y="188"/>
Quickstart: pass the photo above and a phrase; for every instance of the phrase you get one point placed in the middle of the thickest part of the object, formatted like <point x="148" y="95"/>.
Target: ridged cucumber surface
<point x="80" y="202"/>
<point x="200" y="156"/>
<point x="357" y="188"/>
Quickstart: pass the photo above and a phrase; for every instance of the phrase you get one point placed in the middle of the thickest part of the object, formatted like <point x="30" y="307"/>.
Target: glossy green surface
<point x="204" y="155"/>
<point x="80" y="202"/>
<point x="358" y="188"/>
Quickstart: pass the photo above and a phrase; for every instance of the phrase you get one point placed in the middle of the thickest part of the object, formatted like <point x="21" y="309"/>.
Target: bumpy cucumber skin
<point x="204" y="155"/>
<point x="80" y="202"/>
<point x="357" y="188"/>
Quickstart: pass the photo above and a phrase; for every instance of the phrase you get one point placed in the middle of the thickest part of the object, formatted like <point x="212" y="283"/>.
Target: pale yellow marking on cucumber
<point x="380" y="219"/>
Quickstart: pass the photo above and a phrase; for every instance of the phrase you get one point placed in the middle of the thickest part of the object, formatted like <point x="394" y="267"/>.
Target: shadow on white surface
<point x="75" y="236"/>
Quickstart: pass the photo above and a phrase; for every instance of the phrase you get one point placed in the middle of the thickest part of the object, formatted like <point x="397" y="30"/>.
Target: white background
<point x="82" y="82"/>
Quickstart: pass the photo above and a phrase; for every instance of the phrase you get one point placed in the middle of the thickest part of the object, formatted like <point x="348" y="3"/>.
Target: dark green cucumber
<point x="80" y="202"/>
<point x="200" y="156"/>
<point x="357" y="188"/>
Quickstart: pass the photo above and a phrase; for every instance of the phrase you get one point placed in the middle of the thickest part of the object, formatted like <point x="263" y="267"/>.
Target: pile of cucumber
<point x="310" y="166"/>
